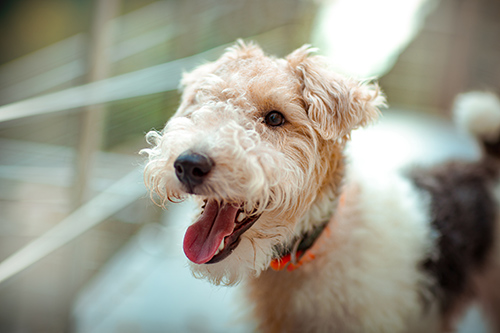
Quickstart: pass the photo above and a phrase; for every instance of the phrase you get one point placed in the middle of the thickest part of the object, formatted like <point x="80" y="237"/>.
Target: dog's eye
<point x="274" y="118"/>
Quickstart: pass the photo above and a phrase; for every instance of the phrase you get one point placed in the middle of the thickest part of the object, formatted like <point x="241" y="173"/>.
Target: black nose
<point x="192" y="168"/>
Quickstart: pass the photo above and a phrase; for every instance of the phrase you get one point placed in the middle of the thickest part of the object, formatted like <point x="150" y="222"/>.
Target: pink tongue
<point x="203" y="238"/>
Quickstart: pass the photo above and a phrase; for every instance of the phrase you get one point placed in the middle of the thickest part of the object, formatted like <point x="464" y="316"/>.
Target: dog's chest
<point x="294" y="301"/>
<point x="365" y="281"/>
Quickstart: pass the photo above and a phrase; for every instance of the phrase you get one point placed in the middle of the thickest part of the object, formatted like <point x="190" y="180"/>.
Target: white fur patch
<point x="478" y="113"/>
<point x="373" y="282"/>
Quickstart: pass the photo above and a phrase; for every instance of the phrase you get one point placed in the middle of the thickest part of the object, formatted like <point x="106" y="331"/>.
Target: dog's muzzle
<point x="192" y="168"/>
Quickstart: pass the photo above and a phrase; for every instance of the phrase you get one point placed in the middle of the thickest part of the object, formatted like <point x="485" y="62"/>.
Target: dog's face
<point x="258" y="142"/>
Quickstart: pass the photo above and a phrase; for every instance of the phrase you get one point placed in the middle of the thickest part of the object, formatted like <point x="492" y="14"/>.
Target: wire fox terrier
<point x="258" y="142"/>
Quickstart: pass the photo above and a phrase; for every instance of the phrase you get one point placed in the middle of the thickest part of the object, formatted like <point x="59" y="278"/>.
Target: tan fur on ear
<point x="300" y="55"/>
<point x="335" y="104"/>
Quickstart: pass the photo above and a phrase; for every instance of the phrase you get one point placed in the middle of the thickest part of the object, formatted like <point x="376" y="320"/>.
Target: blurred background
<point x="82" y="248"/>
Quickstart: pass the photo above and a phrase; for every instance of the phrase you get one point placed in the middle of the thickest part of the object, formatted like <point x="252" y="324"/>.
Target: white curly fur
<point x="478" y="113"/>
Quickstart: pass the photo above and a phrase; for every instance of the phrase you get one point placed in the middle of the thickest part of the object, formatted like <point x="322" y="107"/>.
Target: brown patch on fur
<point x="492" y="148"/>
<point x="336" y="105"/>
<point x="463" y="213"/>
<point x="272" y="293"/>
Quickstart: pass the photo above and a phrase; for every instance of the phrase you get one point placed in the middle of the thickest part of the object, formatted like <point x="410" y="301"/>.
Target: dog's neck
<point x="323" y="206"/>
<point x="309" y="228"/>
<point x="312" y="224"/>
<point x="322" y="209"/>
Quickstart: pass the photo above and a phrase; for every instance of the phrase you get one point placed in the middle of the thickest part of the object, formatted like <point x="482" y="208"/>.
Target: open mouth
<point x="216" y="233"/>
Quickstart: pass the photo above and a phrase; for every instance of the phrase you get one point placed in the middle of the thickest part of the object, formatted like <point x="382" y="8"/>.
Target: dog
<point x="259" y="143"/>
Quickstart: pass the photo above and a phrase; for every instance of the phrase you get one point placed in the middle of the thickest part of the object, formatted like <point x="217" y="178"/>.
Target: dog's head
<point x="258" y="142"/>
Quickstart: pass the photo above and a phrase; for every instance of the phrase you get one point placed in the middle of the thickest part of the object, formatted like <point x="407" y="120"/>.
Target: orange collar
<point x="308" y="245"/>
<point x="304" y="256"/>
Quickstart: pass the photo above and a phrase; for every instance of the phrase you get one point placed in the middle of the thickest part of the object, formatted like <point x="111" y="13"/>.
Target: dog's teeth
<point x="221" y="247"/>
<point x="240" y="217"/>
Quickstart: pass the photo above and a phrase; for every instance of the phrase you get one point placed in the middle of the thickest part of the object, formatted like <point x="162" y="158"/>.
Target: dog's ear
<point x="335" y="104"/>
